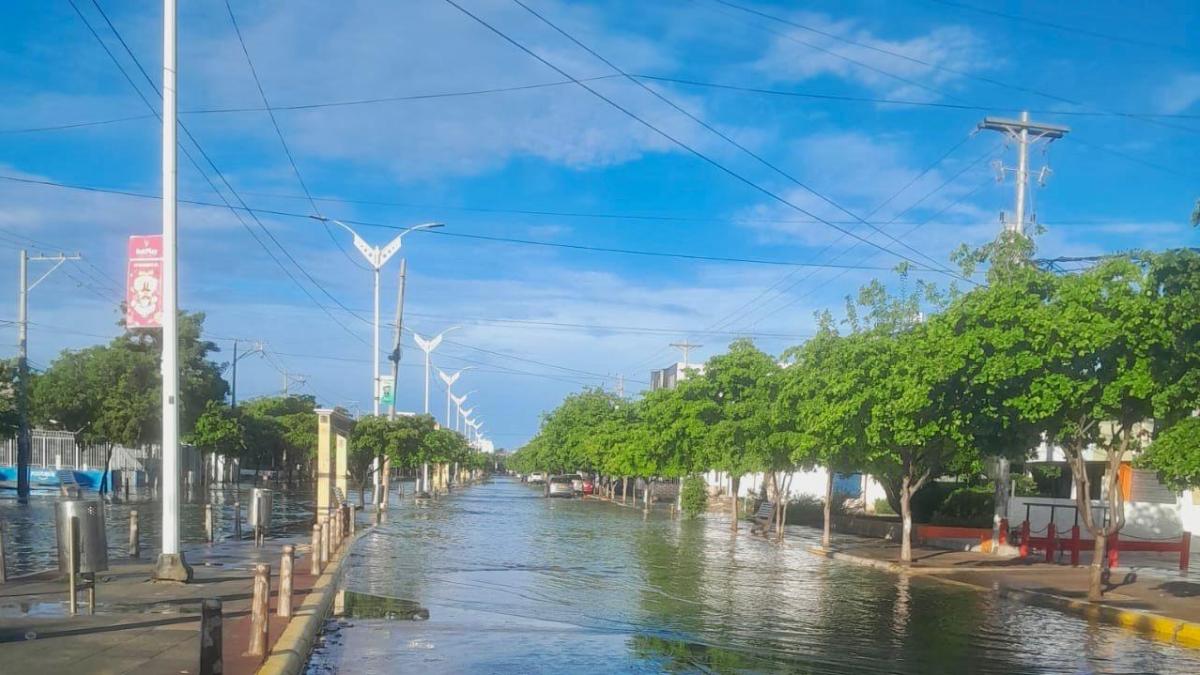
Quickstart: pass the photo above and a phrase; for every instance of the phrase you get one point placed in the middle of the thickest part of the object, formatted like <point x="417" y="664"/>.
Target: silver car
<point x="559" y="486"/>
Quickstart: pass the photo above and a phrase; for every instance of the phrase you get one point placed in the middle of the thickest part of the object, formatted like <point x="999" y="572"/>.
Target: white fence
<point x="59" y="450"/>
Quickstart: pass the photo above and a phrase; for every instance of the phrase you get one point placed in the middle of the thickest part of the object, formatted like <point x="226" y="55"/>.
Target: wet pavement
<point x="515" y="583"/>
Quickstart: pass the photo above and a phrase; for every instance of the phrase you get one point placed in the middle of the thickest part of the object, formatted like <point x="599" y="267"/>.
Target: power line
<point x="467" y="235"/>
<point x="722" y="135"/>
<point x="213" y="166"/>
<point x="1064" y="28"/>
<point x="283" y="142"/>
<point x="700" y="155"/>
<point x="937" y="66"/>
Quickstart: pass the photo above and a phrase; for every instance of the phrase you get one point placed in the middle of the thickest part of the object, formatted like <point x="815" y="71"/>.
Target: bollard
<point x="326" y="526"/>
<point x="1025" y="539"/>
<point x="316" y="550"/>
<point x="1075" y="546"/>
<point x="1051" y="537"/>
<point x="1185" y="545"/>
<point x="210" y="637"/>
<point x="126" y="488"/>
<point x="4" y="565"/>
<point x="72" y="562"/>
<point x="208" y="522"/>
<point x="237" y="519"/>
<point x="259" y="611"/>
<point x="350" y="518"/>
<point x="284" y="604"/>
<point x="1114" y="550"/>
<point x="135" y="547"/>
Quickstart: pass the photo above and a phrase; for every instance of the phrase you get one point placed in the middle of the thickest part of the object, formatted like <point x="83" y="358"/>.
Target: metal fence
<point x="59" y="450"/>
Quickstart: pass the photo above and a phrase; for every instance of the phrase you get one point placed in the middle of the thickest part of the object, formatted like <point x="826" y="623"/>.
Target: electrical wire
<point x="936" y="66"/>
<point x="465" y="235"/>
<point x="725" y="137"/>
<point x="698" y="154"/>
<point x="218" y="172"/>
<point x="283" y="142"/>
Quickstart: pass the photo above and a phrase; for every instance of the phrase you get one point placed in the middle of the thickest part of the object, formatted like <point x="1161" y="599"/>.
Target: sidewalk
<point x="141" y="626"/>
<point x="1149" y="601"/>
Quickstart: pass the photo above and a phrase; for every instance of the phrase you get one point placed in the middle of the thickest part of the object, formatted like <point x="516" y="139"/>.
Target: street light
<point x="450" y="380"/>
<point x="458" y="403"/>
<point x="377" y="257"/>
<point x="466" y="416"/>
<point x="428" y="346"/>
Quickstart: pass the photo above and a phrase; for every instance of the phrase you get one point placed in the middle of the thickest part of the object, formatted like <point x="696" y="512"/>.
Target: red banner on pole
<point x="143" y="282"/>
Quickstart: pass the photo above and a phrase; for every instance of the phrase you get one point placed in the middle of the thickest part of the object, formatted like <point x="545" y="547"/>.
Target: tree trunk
<point x="646" y="498"/>
<point x="734" y="484"/>
<point x="906" y="517"/>
<point x="624" y="488"/>
<point x="1001" y="501"/>
<point x="825" y="532"/>
<point x="1096" y="572"/>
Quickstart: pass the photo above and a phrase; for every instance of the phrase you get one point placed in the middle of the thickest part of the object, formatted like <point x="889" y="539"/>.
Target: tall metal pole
<point x="427" y="353"/>
<point x="171" y="565"/>
<point x="396" y="334"/>
<point x="1019" y="130"/>
<point x="23" y="440"/>
<point x="375" y="346"/>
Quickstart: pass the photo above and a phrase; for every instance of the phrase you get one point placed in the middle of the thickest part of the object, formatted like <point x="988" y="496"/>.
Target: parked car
<point x="576" y="482"/>
<point x="588" y="486"/>
<point x="537" y="478"/>
<point x="559" y="486"/>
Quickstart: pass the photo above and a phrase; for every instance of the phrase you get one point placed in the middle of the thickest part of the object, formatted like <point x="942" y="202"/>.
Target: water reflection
<point x="29" y="528"/>
<point x="517" y="583"/>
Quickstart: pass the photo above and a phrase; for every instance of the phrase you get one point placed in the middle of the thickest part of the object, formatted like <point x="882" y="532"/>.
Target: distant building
<point x="673" y="374"/>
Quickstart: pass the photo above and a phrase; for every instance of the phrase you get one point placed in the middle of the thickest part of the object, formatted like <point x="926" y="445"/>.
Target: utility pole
<point x="686" y="347"/>
<point x="394" y="357"/>
<point x="1025" y="133"/>
<point x="620" y="385"/>
<point x="24" y="442"/>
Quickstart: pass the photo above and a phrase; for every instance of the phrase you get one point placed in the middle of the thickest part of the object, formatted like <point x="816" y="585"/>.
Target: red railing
<point x="1051" y="543"/>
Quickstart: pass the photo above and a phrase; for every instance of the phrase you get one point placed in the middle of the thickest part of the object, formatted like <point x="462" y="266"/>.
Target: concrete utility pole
<point x="686" y="347"/>
<point x="24" y="442"/>
<point x="394" y="357"/>
<point x="171" y="565"/>
<point x="1025" y="133"/>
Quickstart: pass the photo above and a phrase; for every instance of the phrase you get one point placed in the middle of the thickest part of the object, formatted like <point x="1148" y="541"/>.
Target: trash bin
<point x="93" y="542"/>
<point x="261" y="501"/>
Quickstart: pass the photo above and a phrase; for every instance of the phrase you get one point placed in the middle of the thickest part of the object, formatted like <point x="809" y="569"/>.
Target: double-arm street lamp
<point x="450" y="380"/>
<point x="427" y="346"/>
<point x="377" y="257"/>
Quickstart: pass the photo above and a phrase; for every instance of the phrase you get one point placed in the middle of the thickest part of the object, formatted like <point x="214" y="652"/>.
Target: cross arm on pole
<point x="58" y="262"/>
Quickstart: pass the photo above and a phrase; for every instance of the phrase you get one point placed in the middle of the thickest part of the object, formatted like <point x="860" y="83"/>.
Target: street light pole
<point x="450" y="380"/>
<point x="377" y="257"/>
<point x="427" y="346"/>
<point x="171" y="564"/>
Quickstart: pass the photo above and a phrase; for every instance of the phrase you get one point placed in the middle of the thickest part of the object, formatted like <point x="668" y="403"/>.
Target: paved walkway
<point x="142" y="626"/>
<point x="1154" y="591"/>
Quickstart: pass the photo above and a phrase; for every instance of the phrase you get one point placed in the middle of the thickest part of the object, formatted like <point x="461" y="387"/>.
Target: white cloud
<point x="315" y="51"/>
<point x="936" y="59"/>
<point x="1178" y="93"/>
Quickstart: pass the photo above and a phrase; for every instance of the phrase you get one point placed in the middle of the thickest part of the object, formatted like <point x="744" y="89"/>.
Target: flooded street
<point x="516" y="583"/>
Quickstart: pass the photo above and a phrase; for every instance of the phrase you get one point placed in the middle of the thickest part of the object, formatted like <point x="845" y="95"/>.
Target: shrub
<point x="967" y="507"/>
<point x="883" y="508"/>
<point x="694" y="497"/>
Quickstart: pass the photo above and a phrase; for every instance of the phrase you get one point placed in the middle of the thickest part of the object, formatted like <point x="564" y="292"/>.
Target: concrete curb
<point x="1165" y="628"/>
<point x="290" y="653"/>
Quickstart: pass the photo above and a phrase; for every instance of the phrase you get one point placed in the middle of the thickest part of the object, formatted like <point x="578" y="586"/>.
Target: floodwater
<point x="29" y="529"/>
<point x="516" y="583"/>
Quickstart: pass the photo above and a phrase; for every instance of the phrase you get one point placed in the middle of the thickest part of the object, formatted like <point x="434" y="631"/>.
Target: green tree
<point x="8" y="400"/>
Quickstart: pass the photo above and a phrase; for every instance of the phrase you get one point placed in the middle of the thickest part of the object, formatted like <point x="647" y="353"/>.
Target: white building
<point x="673" y="374"/>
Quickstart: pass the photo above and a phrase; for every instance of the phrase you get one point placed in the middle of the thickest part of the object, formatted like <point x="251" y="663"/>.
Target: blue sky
<point x="558" y="165"/>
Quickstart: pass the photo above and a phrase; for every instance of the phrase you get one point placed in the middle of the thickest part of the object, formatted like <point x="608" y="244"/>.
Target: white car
<point x="537" y="478"/>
